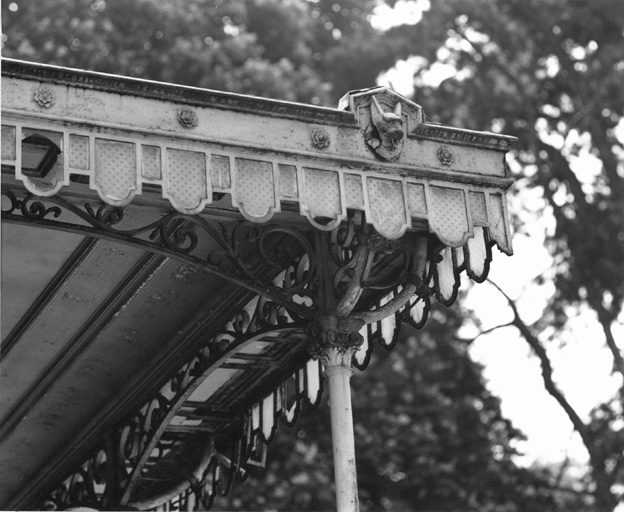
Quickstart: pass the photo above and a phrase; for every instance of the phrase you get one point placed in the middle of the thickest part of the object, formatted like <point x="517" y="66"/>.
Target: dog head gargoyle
<point x="385" y="134"/>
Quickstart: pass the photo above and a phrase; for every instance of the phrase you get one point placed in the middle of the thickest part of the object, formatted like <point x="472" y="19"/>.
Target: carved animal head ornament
<point x="385" y="134"/>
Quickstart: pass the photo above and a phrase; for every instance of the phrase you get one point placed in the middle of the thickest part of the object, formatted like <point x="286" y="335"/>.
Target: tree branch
<point x="603" y="478"/>
<point x="563" y="172"/>
<point x="547" y="371"/>
<point x="495" y="59"/>
<point x="604" y="143"/>
<point x="468" y="341"/>
<point x="618" y="360"/>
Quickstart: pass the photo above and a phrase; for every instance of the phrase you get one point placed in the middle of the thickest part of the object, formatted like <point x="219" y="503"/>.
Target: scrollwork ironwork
<point x="349" y="278"/>
<point x="91" y="485"/>
<point x="141" y="442"/>
<point x="177" y="235"/>
<point x="31" y="207"/>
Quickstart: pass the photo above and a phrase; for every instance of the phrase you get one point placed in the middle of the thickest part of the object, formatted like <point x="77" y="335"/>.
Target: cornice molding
<point x="171" y="92"/>
<point x="450" y="135"/>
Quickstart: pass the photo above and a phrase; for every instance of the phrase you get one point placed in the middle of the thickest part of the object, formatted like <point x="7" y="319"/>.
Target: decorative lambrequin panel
<point x="263" y="154"/>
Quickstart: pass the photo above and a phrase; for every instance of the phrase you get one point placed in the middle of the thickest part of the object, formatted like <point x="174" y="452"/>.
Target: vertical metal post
<point x="336" y="335"/>
<point x="343" y="441"/>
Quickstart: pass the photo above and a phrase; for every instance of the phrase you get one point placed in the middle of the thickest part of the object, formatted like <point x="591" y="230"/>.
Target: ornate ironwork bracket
<point x="341" y="334"/>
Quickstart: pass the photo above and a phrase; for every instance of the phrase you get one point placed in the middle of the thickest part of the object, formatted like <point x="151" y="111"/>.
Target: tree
<point x="295" y="50"/>
<point x="549" y="72"/>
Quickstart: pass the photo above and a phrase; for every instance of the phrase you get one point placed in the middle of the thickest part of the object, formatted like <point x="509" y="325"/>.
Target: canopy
<point x="164" y="250"/>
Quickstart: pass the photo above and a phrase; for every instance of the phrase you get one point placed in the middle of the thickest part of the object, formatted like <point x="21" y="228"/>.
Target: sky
<point x="582" y="365"/>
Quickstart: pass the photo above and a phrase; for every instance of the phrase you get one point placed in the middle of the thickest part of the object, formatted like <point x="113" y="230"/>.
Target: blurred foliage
<point x="295" y="50"/>
<point x="550" y="73"/>
<point x="429" y="435"/>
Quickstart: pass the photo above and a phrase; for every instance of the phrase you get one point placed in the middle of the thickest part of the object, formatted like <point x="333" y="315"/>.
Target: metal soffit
<point x="195" y="228"/>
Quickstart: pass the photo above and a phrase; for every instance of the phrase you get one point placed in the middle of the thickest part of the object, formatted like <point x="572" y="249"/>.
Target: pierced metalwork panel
<point x="387" y="206"/>
<point x="450" y="215"/>
<point x="116" y="163"/>
<point x="354" y="191"/>
<point x="220" y="169"/>
<point x="477" y="260"/>
<point x="186" y="180"/>
<point x="79" y="152"/>
<point x="8" y="143"/>
<point x="445" y="276"/>
<point x="289" y="188"/>
<point x="478" y="208"/>
<point x="417" y="200"/>
<point x="498" y="221"/>
<point x="322" y="196"/>
<point x="152" y="163"/>
<point x="255" y="189"/>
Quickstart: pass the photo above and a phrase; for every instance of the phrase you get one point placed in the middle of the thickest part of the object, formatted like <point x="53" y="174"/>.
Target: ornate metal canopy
<point x="180" y="265"/>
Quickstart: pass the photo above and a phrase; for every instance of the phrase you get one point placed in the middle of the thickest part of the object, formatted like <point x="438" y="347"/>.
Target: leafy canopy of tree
<point x="296" y="50"/>
<point x="549" y="72"/>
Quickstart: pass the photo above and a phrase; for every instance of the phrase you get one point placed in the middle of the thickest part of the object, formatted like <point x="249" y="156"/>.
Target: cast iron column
<point x="335" y="337"/>
<point x="338" y="339"/>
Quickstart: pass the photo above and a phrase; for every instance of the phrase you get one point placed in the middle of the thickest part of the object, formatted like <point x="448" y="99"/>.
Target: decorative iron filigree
<point x="92" y="485"/>
<point x="290" y="287"/>
<point x="142" y="442"/>
<point x="177" y="235"/>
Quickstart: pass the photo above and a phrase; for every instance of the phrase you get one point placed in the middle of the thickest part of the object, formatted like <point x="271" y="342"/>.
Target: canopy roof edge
<point x="182" y="94"/>
<point x="121" y="135"/>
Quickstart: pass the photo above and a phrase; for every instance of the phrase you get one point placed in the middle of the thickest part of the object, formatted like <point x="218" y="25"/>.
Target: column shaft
<point x="342" y="437"/>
